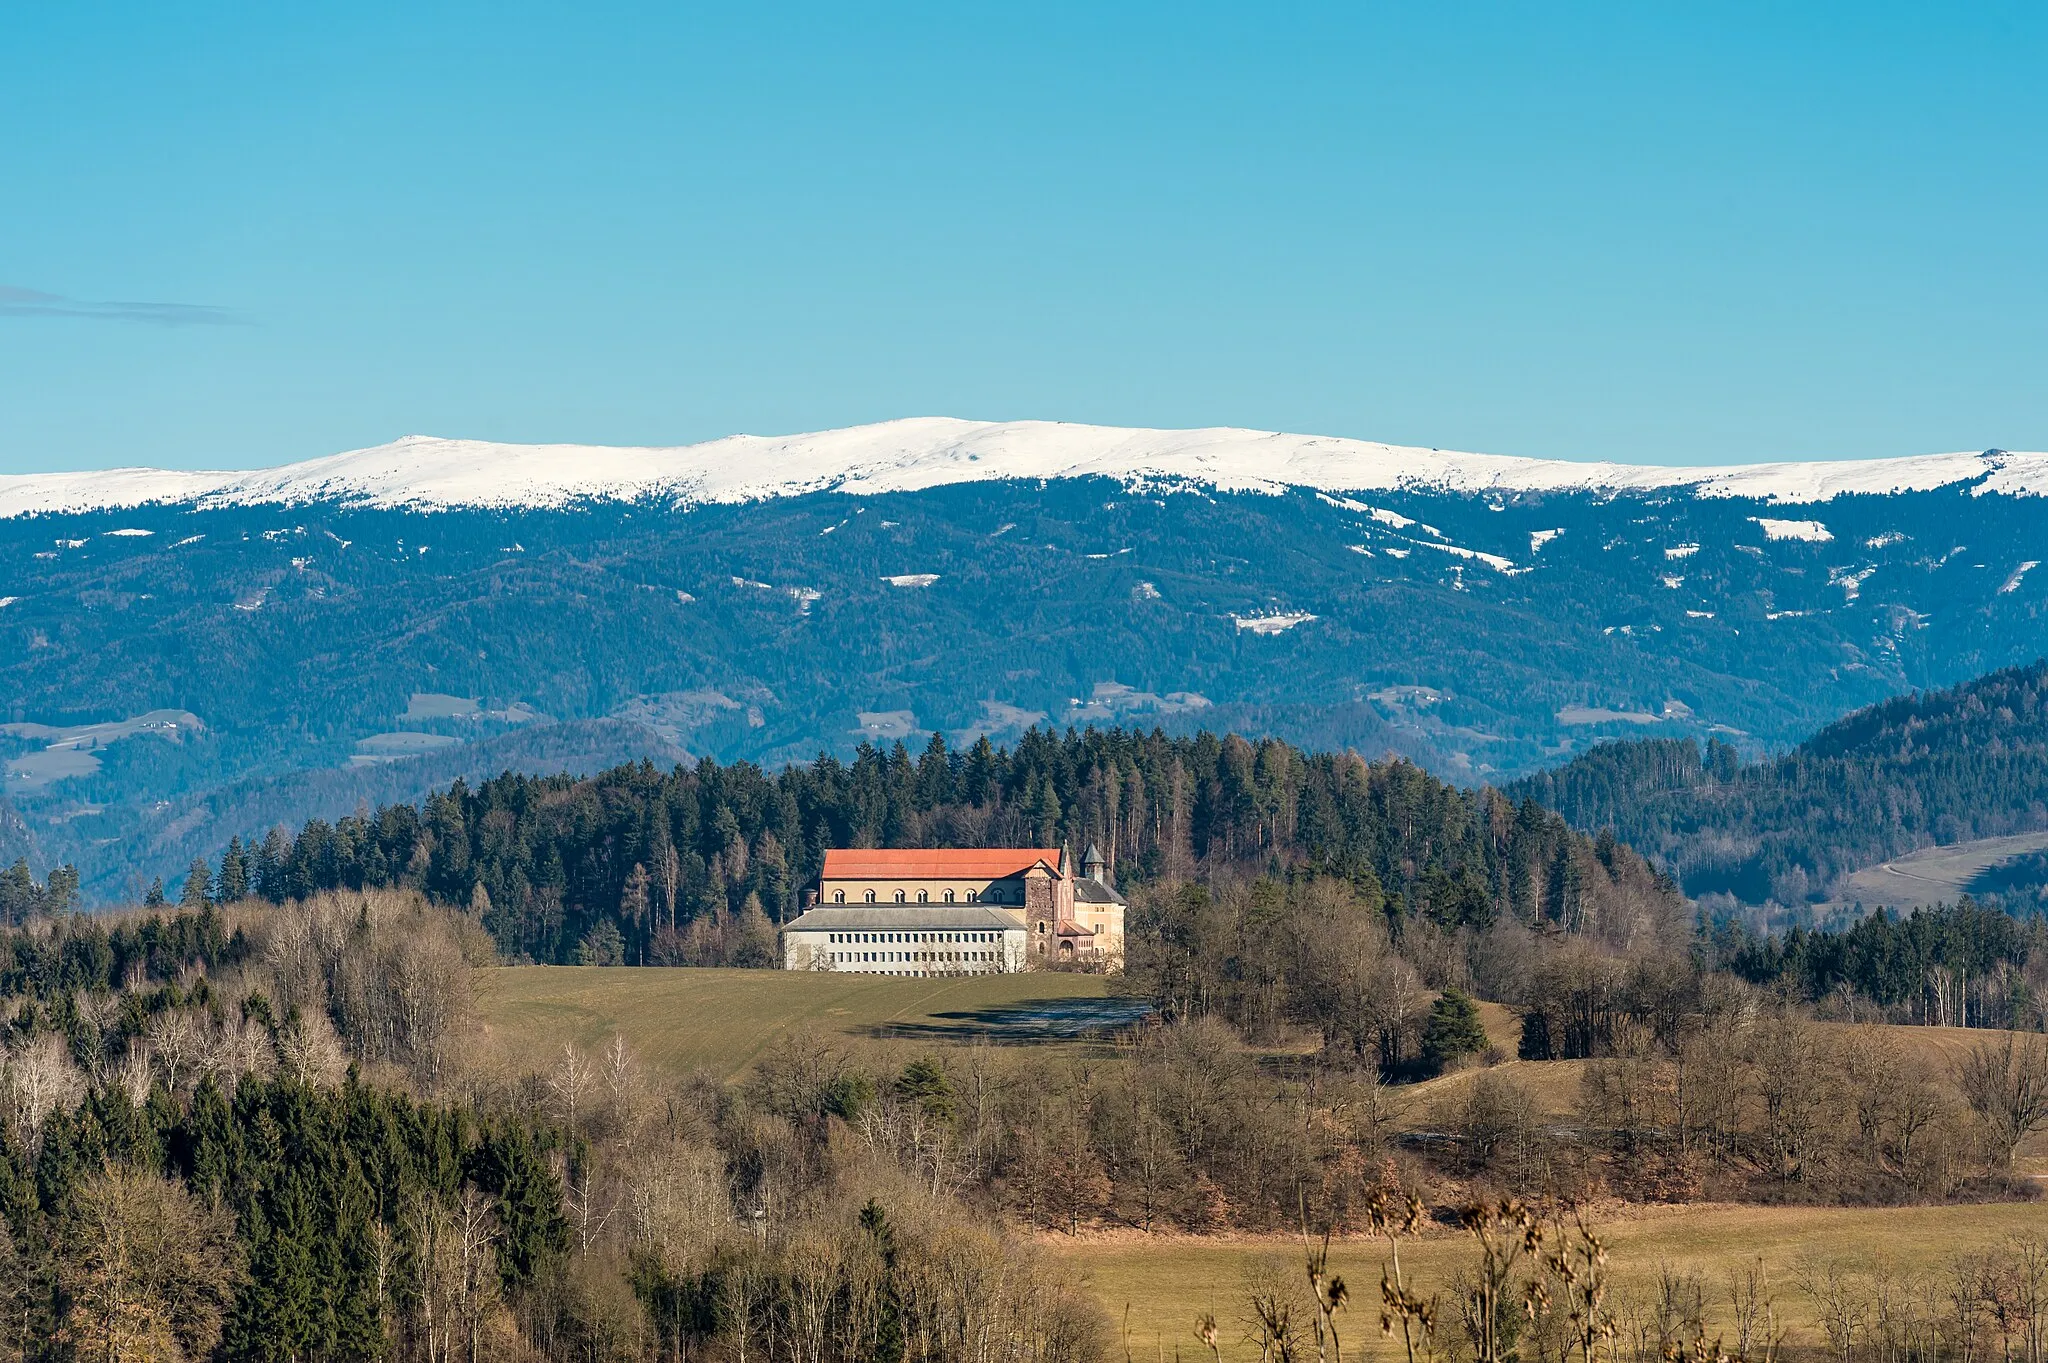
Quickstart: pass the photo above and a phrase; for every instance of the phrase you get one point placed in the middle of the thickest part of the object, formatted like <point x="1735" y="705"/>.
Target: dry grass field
<point x="1168" y="1282"/>
<point x="681" y="1020"/>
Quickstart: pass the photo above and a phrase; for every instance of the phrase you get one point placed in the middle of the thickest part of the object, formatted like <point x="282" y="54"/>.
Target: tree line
<point x="1960" y="965"/>
<point x="695" y="865"/>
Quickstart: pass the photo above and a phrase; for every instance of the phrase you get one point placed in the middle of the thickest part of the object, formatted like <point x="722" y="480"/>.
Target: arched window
<point x="923" y="898"/>
<point x="871" y="896"/>
<point x="839" y="896"/>
<point x="973" y="895"/>
<point x="949" y="896"/>
<point x="899" y="896"/>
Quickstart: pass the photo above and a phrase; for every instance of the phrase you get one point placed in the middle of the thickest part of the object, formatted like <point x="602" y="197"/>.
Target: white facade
<point x="906" y="940"/>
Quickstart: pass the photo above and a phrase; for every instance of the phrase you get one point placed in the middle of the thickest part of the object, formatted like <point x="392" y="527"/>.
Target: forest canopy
<point x="695" y="864"/>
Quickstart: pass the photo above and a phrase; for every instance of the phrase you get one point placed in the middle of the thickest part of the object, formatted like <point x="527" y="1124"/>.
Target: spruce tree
<point x="197" y="881"/>
<point x="1452" y="1030"/>
<point x="233" y="884"/>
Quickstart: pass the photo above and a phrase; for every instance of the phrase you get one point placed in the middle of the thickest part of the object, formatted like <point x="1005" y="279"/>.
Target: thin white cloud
<point x="19" y="302"/>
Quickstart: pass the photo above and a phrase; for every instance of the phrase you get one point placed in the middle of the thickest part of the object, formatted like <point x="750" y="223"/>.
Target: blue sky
<point x="238" y="235"/>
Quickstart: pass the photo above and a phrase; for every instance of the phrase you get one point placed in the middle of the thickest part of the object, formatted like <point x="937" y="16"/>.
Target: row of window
<point x="856" y="957"/>
<point x="839" y="938"/>
<point x="923" y="896"/>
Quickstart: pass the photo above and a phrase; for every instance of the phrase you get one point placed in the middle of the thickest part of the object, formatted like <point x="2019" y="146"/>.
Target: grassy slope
<point x="1932" y="875"/>
<point x="1167" y="1283"/>
<point x="722" y="1020"/>
<point x="678" y="1021"/>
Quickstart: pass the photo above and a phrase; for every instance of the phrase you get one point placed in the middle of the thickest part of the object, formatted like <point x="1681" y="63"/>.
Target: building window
<point x="923" y="898"/>
<point x="899" y="896"/>
<point x="839" y="896"/>
<point x="973" y="895"/>
<point x="949" y="896"/>
<point x="871" y="896"/>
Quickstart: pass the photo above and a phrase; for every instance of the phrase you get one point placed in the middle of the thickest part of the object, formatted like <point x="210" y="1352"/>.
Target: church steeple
<point x="1093" y="865"/>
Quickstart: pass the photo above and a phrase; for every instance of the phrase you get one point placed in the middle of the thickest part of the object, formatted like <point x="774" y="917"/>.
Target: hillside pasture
<point x="1932" y="875"/>
<point x="682" y="1020"/>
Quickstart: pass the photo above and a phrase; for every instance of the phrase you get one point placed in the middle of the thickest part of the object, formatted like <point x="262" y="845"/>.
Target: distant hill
<point x="1938" y="767"/>
<point x="688" y="866"/>
<point x="173" y="643"/>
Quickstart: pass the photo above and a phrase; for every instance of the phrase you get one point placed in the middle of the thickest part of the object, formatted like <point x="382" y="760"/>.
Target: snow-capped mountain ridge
<point x="430" y="473"/>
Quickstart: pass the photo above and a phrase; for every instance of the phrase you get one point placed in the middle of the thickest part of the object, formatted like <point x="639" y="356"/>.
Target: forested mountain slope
<point x="690" y="865"/>
<point x="173" y="645"/>
<point x="1942" y="766"/>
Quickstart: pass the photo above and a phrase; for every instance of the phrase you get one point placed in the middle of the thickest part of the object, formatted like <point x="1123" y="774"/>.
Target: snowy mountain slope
<point x="428" y="473"/>
<point x="437" y="602"/>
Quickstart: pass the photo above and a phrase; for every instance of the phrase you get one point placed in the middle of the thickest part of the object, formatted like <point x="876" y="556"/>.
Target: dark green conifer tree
<point x="198" y="881"/>
<point x="1453" y="1029"/>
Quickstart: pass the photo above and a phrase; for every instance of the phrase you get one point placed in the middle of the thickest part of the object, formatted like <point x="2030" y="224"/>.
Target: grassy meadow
<point x="1167" y="1282"/>
<point x="678" y="1021"/>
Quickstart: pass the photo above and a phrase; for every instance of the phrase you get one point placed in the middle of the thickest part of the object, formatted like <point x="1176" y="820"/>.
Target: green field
<point x="679" y="1021"/>
<point x="1168" y="1282"/>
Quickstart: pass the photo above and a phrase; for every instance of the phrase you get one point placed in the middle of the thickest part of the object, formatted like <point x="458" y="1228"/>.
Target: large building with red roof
<point x="958" y="911"/>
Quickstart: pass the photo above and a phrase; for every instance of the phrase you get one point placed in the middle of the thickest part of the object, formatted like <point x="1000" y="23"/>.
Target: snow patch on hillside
<point x="1493" y="561"/>
<point x="2012" y="584"/>
<point x="1812" y="532"/>
<point x="430" y="473"/>
<point x="1272" y="624"/>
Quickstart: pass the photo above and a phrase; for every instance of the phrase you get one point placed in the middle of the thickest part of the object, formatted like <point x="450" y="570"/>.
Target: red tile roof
<point x="925" y="863"/>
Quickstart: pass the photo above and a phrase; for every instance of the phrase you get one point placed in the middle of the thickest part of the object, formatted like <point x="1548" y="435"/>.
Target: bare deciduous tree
<point x="2007" y="1087"/>
<point x="40" y="1079"/>
<point x="148" y="1269"/>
